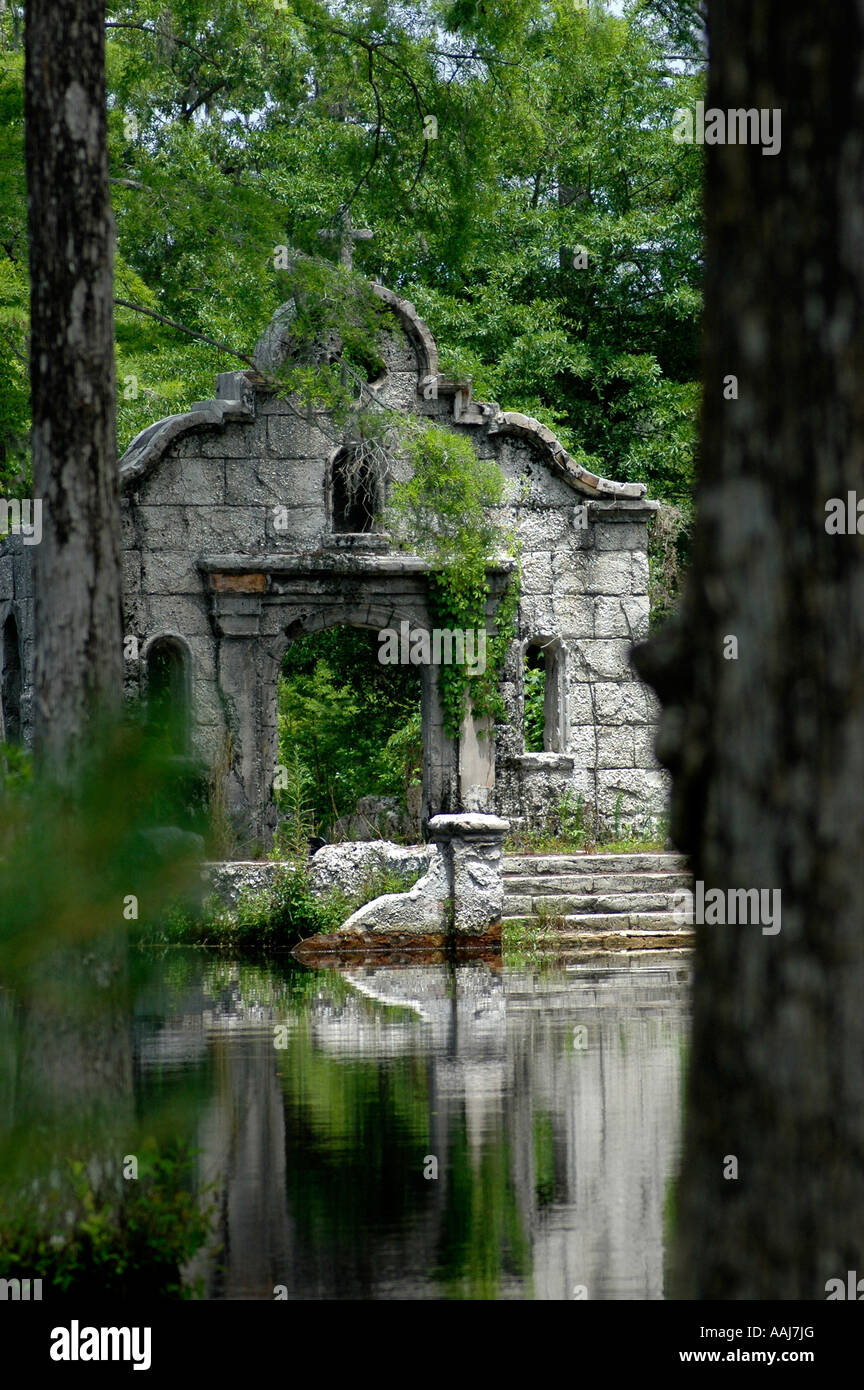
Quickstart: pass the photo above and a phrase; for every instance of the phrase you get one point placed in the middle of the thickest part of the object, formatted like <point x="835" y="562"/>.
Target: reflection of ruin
<point x="553" y="1159"/>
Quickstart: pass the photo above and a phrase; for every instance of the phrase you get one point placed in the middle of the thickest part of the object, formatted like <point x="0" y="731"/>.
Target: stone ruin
<point x="239" y="536"/>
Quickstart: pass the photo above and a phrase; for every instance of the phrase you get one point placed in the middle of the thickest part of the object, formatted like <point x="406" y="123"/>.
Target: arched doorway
<point x="350" y="738"/>
<point x="258" y="608"/>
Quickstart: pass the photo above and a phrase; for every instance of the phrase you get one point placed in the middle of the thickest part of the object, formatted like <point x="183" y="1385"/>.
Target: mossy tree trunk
<point x="767" y="750"/>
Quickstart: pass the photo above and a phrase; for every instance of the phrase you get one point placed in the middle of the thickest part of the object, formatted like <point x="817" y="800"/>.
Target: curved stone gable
<point x="422" y="390"/>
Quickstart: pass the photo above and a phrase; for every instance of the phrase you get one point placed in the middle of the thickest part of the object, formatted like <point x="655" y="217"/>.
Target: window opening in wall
<point x="10" y="688"/>
<point x="168" y="694"/>
<point x="355" y="493"/>
<point x="534" y="684"/>
<point x="542" y="683"/>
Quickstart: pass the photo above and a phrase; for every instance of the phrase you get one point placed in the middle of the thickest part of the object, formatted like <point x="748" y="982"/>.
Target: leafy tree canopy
<point x="485" y="144"/>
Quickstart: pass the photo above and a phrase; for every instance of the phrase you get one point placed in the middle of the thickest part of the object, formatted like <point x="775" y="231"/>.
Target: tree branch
<point x="189" y="112"/>
<point x="22" y="357"/>
<point x="154" y="33"/>
<point x="181" y="328"/>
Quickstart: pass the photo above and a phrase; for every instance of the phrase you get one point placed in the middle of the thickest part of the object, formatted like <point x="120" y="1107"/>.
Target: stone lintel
<point x="237" y="613"/>
<point x="238" y="583"/>
<point x="324" y="563"/>
<point x="622" y="509"/>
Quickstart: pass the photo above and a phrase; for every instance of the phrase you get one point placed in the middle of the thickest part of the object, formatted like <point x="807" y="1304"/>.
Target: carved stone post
<point x="473" y="850"/>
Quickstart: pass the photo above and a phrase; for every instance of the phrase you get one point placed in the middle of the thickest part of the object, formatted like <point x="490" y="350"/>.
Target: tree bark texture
<point x="78" y="662"/>
<point x="767" y="750"/>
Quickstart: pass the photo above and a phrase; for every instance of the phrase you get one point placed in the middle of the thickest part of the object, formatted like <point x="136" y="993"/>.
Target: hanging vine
<point x="444" y="511"/>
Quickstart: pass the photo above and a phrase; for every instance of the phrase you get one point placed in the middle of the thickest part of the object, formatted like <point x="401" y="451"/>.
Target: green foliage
<point x="444" y="506"/>
<point x="534" y="723"/>
<point x="14" y="284"/>
<point x="53" y="832"/>
<point x="274" y="919"/>
<point x="334" y="313"/>
<point x="73" y="853"/>
<point x="77" y="1245"/>
<point x="445" y="511"/>
<point x="668" y="553"/>
<point x="297" y="825"/>
<point x="573" y="827"/>
<point x="16" y="769"/>
<point x="244" y="126"/>
<point x="403" y="752"/>
<point x="527" y="942"/>
<point x="348" y="727"/>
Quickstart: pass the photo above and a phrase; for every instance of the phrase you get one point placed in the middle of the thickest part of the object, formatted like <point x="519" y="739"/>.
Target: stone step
<point x="583" y="903"/>
<point x="579" y="923"/>
<point x="594" y="863"/>
<point x="558" y="884"/>
<point x="623" y="941"/>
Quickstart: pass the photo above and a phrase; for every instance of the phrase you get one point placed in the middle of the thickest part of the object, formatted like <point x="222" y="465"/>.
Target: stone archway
<point x="257" y="607"/>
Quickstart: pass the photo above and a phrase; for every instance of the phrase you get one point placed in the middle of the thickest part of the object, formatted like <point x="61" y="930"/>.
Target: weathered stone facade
<point x="232" y="550"/>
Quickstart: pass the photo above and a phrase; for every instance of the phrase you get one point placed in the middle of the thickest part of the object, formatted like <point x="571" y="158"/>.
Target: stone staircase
<point x="598" y="901"/>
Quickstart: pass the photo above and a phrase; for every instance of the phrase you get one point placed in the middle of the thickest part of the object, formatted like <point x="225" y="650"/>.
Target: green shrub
<point x="86" y="1244"/>
<point x="274" y="919"/>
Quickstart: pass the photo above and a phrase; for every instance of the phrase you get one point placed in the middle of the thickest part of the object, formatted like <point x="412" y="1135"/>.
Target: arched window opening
<point x="10" y="689"/>
<point x="355" y="493"/>
<point x="541" y="683"/>
<point x="168" y="694"/>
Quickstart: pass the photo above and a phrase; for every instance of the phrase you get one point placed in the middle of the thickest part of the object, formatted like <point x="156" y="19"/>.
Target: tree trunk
<point x="767" y="750"/>
<point x="78" y="1089"/>
<point x="79" y="650"/>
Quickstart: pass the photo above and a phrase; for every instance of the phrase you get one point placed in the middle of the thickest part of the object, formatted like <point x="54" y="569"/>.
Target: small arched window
<point x="10" y="686"/>
<point x="168" y="693"/>
<point x="355" y="492"/>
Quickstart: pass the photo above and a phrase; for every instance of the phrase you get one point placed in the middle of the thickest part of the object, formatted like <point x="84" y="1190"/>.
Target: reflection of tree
<point x="482" y="1240"/>
<point x="356" y="1135"/>
<point x="71" y="855"/>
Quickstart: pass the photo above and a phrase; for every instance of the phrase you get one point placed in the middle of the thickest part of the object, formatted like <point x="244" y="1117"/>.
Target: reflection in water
<point x="550" y="1100"/>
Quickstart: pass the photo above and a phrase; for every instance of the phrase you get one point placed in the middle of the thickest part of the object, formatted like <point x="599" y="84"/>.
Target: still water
<point x="325" y="1101"/>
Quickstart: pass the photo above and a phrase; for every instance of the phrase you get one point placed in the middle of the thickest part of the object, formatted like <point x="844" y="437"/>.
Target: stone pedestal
<point x="472" y="847"/>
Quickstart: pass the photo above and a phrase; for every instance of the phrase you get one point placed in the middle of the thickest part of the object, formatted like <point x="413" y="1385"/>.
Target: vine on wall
<point x="445" y="511"/>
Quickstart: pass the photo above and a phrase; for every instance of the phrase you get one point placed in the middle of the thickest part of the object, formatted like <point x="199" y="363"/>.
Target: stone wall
<point x="230" y="552"/>
<point x="585" y="594"/>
